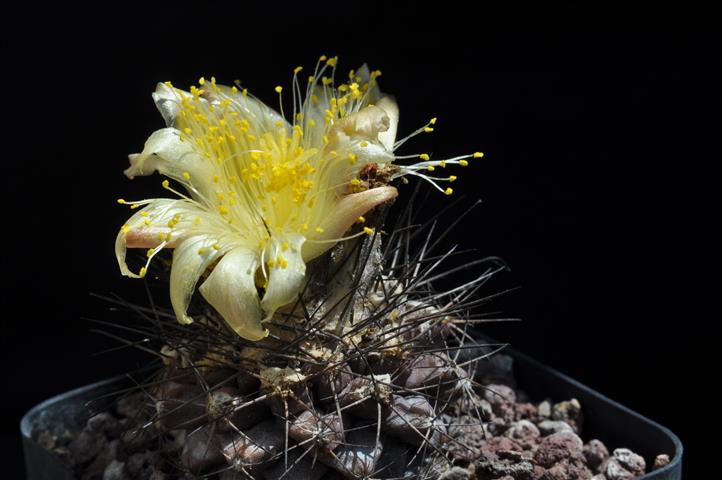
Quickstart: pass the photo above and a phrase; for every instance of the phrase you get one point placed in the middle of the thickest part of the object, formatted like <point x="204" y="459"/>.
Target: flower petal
<point x="167" y="101"/>
<point x="388" y="105"/>
<point x="366" y="123"/>
<point x="346" y="212"/>
<point x="260" y="116"/>
<point x="190" y="259"/>
<point x="287" y="272"/>
<point x="165" y="153"/>
<point x="231" y="290"/>
<point x="162" y="221"/>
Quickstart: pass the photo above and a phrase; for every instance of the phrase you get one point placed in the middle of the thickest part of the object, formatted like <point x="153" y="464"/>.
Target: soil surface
<point x="519" y="440"/>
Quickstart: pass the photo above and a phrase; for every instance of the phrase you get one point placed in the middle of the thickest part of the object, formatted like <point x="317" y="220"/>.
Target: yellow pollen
<point x="122" y="201"/>
<point x="166" y="184"/>
<point x="364" y="144"/>
<point x="352" y="158"/>
<point x="150" y="252"/>
<point x="201" y="251"/>
<point x="223" y="210"/>
<point x="463" y="163"/>
<point x="297" y="69"/>
<point x="186" y="175"/>
<point x="424" y="156"/>
<point x="322" y="58"/>
<point x="432" y="121"/>
<point x="361" y="219"/>
<point x="278" y="89"/>
<point x="430" y="168"/>
<point x="478" y="155"/>
<point x="144" y="214"/>
<point x="125" y="228"/>
<point x="216" y="246"/>
<point x="284" y="246"/>
<point x="202" y="81"/>
<point x="428" y="129"/>
<point x="452" y="178"/>
<point x="319" y="229"/>
<point x="442" y="163"/>
<point x="368" y="231"/>
<point x="448" y="191"/>
<point x="142" y="272"/>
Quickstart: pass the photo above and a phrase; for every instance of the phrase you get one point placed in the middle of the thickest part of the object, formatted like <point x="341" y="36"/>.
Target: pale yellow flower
<point x="262" y="196"/>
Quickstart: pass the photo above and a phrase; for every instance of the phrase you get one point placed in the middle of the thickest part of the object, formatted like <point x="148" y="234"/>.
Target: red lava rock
<point x="596" y="454"/>
<point x="494" y="445"/>
<point x="557" y="447"/>
<point x="660" y="461"/>
<point x="526" y="411"/>
<point x="567" y="470"/>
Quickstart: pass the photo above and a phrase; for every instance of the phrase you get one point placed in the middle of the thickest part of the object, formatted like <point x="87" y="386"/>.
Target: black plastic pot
<point x="605" y="419"/>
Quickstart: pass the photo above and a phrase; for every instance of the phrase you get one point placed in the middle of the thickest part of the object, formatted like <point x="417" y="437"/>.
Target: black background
<point x="600" y="131"/>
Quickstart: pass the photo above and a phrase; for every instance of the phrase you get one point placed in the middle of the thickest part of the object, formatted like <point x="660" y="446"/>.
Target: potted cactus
<point x="305" y="338"/>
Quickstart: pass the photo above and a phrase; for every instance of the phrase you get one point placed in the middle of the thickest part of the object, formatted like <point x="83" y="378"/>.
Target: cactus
<point x="322" y="349"/>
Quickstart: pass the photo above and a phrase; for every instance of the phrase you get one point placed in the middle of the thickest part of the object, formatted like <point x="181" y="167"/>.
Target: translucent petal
<point x="365" y="74"/>
<point x="388" y="105"/>
<point x="167" y="101"/>
<point x="231" y="290"/>
<point x="191" y="258"/>
<point x="286" y="273"/>
<point x="344" y="214"/>
<point x="165" y="153"/>
<point x="366" y="123"/>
